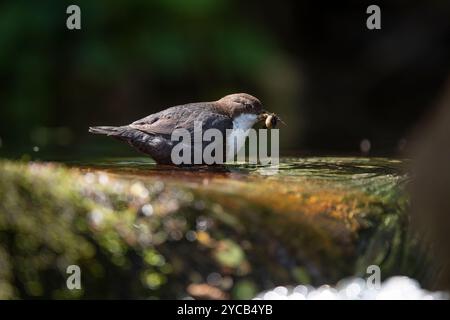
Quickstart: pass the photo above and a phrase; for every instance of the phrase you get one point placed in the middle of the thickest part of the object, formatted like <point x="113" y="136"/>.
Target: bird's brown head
<point x="238" y="103"/>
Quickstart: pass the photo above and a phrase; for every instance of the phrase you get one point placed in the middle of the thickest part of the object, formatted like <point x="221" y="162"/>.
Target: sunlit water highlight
<point x="394" y="288"/>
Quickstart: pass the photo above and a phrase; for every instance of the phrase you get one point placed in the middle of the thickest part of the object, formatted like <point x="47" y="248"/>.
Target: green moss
<point x="141" y="236"/>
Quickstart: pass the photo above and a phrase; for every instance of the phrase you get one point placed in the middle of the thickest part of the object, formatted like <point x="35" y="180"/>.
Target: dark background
<point x="315" y="63"/>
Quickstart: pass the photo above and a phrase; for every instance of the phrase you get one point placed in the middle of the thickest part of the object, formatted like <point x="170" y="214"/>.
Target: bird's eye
<point x="248" y="105"/>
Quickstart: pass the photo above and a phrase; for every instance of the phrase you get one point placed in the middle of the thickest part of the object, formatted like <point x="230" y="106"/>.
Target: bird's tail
<point x="110" y="131"/>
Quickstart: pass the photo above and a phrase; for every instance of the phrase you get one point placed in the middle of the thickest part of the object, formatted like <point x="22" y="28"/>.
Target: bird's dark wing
<point x="165" y="122"/>
<point x="219" y="122"/>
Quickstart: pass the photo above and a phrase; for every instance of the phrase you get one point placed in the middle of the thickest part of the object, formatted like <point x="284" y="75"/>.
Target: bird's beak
<point x="263" y="115"/>
<point x="279" y="119"/>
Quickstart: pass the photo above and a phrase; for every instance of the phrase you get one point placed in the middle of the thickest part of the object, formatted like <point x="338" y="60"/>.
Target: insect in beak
<point x="270" y="120"/>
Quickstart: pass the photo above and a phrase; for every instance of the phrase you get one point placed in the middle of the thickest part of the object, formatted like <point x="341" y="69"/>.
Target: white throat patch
<point x="244" y="121"/>
<point x="241" y="126"/>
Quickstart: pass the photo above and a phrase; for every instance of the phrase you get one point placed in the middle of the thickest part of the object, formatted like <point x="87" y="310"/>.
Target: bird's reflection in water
<point x="288" y="170"/>
<point x="147" y="168"/>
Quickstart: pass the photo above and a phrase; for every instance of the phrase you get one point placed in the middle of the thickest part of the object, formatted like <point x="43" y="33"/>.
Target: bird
<point x="151" y="135"/>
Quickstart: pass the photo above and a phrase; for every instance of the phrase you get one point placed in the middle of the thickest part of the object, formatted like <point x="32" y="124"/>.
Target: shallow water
<point x="329" y="168"/>
<point x="315" y="185"/>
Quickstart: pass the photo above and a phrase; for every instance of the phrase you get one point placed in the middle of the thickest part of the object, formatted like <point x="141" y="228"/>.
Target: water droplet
<point x="147" y="210"/>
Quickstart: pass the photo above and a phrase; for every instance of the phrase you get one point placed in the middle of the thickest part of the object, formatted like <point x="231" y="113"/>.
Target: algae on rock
<point x="205" y="235"/>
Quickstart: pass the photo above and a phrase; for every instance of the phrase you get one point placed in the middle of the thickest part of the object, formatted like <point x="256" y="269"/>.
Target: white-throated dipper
<point x="152" y="134"/>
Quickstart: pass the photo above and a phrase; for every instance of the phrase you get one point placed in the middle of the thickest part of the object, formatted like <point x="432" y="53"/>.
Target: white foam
<point x="394" y="288"/>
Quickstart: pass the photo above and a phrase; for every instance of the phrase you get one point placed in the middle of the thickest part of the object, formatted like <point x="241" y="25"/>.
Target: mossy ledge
<point x="152" y="237"/>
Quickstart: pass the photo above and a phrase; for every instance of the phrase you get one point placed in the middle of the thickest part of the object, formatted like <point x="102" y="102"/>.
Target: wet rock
<point x="146" y="231"/>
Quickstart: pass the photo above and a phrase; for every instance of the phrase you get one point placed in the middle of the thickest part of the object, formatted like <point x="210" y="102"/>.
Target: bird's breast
<point x="240" y="131"/>
<point x="244" y="121"/>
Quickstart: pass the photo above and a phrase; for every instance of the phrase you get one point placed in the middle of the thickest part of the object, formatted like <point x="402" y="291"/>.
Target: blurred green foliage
<point x="129" y="59"/>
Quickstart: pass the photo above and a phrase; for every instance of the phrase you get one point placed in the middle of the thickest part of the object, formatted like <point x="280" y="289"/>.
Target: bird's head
<point x="239" y="103"/>
<point x="242" y="103"/>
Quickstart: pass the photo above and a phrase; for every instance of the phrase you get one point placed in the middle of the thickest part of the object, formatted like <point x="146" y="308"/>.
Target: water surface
<point x="290" y="168"/>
